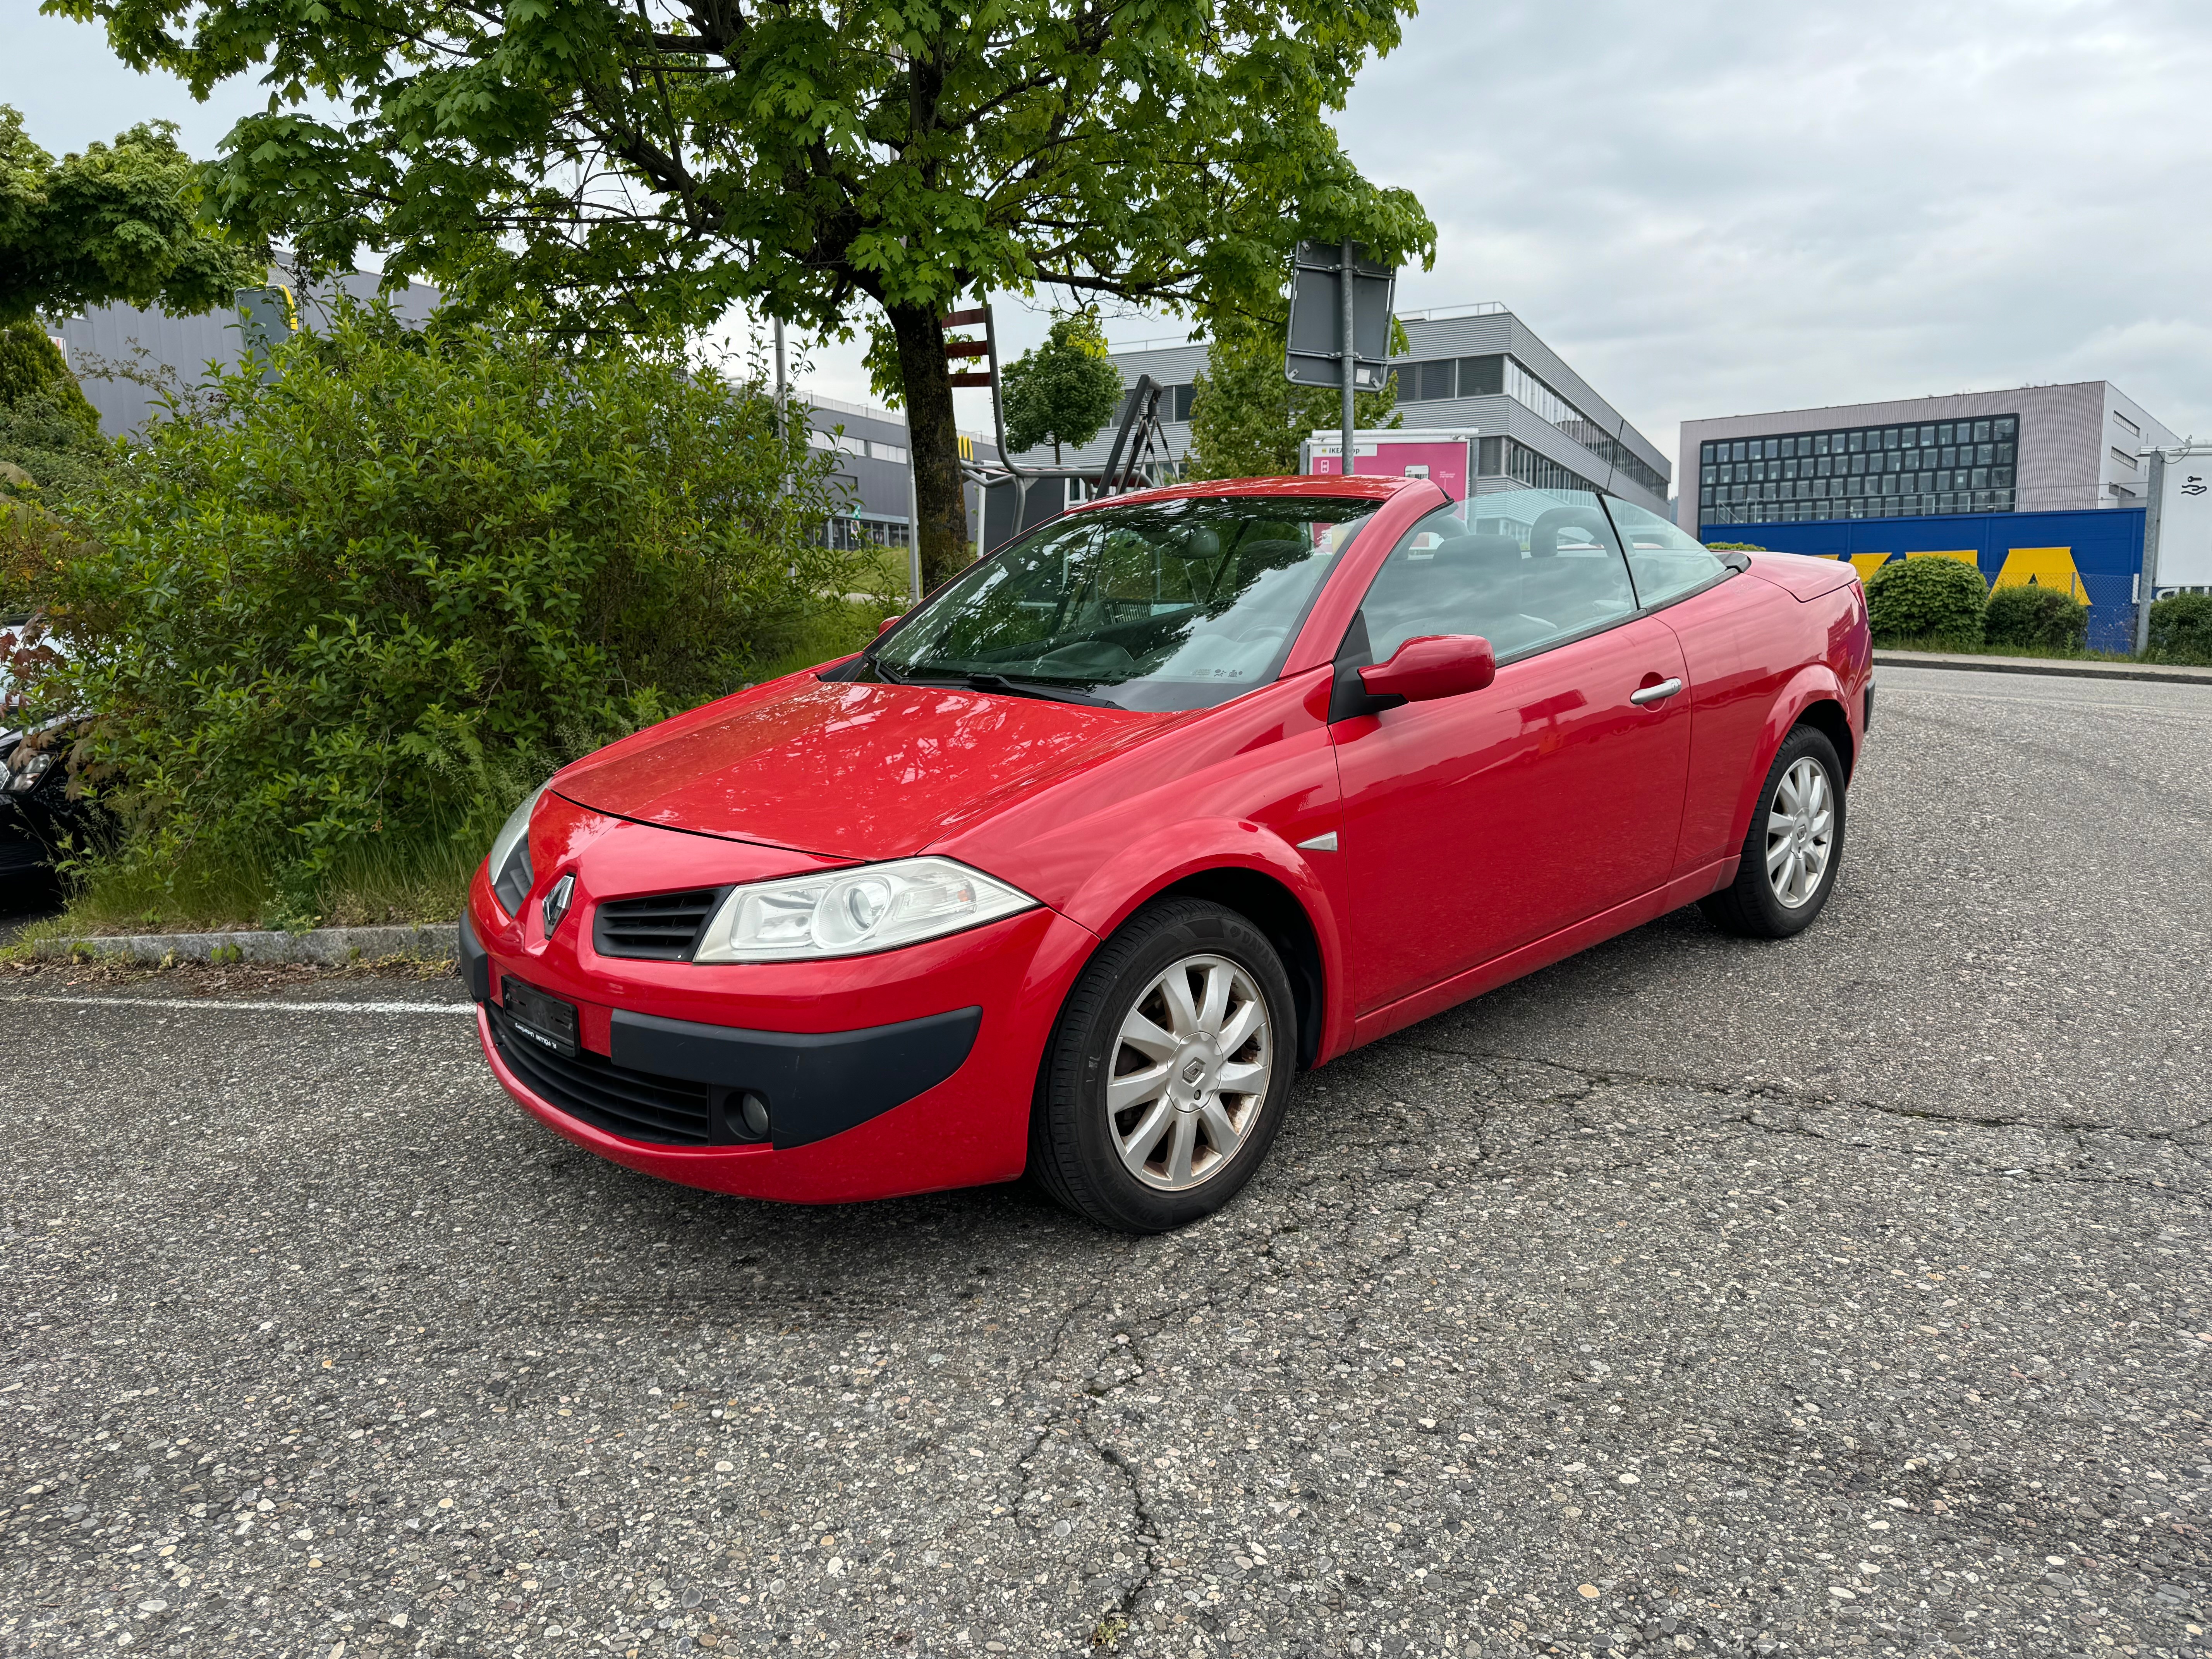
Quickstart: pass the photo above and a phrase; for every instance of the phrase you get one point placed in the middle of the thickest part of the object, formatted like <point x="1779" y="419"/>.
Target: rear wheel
<point x="1169" y="1071"/>
<point x="1791" y="853"/>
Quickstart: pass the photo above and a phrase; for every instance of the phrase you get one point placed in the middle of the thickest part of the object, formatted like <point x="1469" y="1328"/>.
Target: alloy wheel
<point x="1189" y="1074"/>
<point x="1801" y="831"/>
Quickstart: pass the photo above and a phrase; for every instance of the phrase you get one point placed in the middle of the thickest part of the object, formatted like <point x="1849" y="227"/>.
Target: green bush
<point x="2036" y="618"/>
<point x="1938" y="601"/>
<point x="2181" y="628"/>
<point x="1735" y="547"/>
<point x="48" y="434"/>
<point x="354" y="612"/>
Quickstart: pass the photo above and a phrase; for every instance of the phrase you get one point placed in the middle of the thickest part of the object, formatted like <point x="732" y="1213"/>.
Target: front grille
<point x="662" y="928"/>
<point x="636" y="1105"/>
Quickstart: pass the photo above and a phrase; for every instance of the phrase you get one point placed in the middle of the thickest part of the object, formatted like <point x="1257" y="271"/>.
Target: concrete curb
<point x="329" y="947"/>
<point x="2084" y="669"/>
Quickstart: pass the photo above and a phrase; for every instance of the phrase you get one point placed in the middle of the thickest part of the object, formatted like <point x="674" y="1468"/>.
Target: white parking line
<point x="258" y="1007"/>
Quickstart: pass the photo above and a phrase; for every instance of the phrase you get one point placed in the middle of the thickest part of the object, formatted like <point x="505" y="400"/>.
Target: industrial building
<point x="2033" y="449"/>
<point x="1479" y="367"/>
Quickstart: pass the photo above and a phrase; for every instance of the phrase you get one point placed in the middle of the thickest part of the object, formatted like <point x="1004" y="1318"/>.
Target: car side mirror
<point x="885" y="625"/>
<point x="1432" y="667"/>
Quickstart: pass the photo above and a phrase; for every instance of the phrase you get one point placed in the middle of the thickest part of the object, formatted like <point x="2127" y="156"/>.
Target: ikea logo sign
<point x="2094" y="555"/>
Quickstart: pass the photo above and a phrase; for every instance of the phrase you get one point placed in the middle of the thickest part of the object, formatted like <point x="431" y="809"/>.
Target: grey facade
<point x="1478" y="367"/>
<point x="2074" y="447"/>
<point x="120" y="336"/>
<point x="872" y="450"/>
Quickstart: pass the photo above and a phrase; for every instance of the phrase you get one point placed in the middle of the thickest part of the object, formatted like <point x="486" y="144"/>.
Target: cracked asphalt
<point x="1694" y="1296"/>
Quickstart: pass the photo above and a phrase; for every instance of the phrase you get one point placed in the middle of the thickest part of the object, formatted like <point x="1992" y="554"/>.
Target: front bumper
<point x="908" y="1072"/>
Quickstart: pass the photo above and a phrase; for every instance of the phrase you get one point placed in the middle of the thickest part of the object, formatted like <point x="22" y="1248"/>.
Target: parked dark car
<point x="38" y="816"/>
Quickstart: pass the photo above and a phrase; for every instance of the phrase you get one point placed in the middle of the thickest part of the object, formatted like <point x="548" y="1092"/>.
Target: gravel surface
<point x="1693" y="1296"/>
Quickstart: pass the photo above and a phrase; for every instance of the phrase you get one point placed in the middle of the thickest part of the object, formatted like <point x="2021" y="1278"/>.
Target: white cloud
<point x="1707" y="208"/>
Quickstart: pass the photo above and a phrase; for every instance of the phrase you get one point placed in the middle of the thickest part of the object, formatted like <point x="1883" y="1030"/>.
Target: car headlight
<point x="857" y="912"/>
<point x="22" y="772"/>
<point x="509" y="862"/>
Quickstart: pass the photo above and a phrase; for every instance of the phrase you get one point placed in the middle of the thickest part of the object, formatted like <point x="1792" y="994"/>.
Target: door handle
<point x="1658" y="693"/>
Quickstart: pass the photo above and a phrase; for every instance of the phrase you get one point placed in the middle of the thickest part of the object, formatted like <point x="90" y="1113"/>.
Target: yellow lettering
<point x="1868" y="563"/>
<point x="2045" y="567"/>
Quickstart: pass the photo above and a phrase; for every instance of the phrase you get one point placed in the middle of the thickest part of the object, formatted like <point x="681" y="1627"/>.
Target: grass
<point x="376" y="885"/>
<point x="2052" y="651"/>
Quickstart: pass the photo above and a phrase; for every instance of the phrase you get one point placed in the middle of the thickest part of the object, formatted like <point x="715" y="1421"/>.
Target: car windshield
<point x="1179" y="603"/>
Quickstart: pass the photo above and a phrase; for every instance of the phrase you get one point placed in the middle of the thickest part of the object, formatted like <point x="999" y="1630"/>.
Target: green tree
<point x="48" y="434"/>
<point x="119" y="221"/>
<point x="1247" y="420"/>
<point x="1063" y="391"/>
<point x="365" y="604"/>
<point x="829" y="164"/>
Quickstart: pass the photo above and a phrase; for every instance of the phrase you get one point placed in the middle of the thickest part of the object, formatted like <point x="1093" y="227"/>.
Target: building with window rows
<point x="2030" y="450"/>
<point x="1478" y="367"/>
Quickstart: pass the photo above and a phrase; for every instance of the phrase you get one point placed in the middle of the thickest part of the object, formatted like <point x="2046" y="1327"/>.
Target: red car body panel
<point x="1478" y="838"/>
<point x="848" y="770"/>
<point x="1475" y="824"/>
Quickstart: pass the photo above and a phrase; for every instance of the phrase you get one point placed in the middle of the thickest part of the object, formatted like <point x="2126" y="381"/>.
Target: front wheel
<point x="1790" y="854"/>
<point x="1169" y="1071"/>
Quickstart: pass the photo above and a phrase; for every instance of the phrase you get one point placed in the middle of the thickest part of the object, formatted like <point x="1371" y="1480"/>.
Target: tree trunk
<point x="935" y="442"/>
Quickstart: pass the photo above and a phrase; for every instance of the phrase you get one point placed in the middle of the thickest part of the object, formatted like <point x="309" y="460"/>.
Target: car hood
<point x="847" y="770"/>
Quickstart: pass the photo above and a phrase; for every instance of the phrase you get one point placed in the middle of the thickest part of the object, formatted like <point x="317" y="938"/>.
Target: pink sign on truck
<point x="1445" y="456"/>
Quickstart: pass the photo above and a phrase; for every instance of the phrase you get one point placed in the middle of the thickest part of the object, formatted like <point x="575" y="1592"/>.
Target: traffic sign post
<point x="1339" y="333"/>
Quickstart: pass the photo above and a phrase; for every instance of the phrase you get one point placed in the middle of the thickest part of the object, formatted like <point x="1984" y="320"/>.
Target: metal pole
<point x="913" y="527"/>
<point x="779" y="376"/>
<point x="2147" y="584"/>
<point x="1344" y="300"/>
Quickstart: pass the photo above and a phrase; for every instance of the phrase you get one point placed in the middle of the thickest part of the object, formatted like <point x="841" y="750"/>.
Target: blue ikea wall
<point x="2107" y="545"/>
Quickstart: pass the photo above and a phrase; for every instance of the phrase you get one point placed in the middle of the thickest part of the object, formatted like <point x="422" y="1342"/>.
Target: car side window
<point x="1524" y="568"/>
<point x="1667" y="561"/>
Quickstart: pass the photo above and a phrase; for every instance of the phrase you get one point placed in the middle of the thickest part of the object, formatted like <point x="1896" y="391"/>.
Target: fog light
<point x="753" y="1109"/>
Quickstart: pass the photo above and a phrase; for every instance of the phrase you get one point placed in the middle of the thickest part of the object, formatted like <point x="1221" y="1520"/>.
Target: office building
<point x="871" y="446"/>
<point x="152" y="342"/>
<point x="2033" y="449"/>
<point x="1478" y="367"/>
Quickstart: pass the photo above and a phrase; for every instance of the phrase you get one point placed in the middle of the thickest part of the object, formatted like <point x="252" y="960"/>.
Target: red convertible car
<point x="1080" y="862"/>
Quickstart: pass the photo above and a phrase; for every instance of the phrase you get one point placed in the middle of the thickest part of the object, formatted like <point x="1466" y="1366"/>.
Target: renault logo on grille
<point x="557" y="902"/>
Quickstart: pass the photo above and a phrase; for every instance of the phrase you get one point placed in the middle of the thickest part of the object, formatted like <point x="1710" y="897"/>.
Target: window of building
<point x="1540" y="471"/>
<point x="2121" y="458"/>
<point x="1944" y="466"/>
<point x="1481" y="377"/>
<point x="888" y="451"/>
<point x="2128" y="426"/>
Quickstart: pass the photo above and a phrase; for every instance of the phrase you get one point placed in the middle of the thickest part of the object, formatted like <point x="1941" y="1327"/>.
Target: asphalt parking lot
<point x="1694" y="1296"/>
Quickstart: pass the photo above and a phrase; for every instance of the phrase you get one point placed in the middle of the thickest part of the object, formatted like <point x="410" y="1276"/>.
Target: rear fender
<point x="1145" y="869"/>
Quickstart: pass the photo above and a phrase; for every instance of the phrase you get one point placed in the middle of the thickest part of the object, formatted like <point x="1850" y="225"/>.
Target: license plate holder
<point x="545" y="1020"/>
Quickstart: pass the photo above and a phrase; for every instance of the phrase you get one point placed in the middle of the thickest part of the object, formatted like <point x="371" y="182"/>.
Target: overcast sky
<point x="1711" y="207"/>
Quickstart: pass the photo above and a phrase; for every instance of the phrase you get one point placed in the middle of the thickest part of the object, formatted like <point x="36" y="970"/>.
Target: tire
<point x="1156" y="1161"/>
<point x="1776" y="901"/>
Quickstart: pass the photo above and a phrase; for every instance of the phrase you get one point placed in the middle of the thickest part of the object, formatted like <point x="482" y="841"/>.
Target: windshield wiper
<point x="1044" y="690"/>
<point x="883" y="671"/>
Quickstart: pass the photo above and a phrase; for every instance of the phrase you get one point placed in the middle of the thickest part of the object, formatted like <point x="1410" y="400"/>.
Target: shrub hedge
<point x="1938" y="600"/>
<point x="2181" y="628"/>
<point x="2036" y="616"/>
<point x="369" y="603"/>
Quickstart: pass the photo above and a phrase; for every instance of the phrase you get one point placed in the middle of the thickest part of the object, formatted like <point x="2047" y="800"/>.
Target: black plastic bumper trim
<point x="476" y="961"/>
<point x="817" y="1085"/>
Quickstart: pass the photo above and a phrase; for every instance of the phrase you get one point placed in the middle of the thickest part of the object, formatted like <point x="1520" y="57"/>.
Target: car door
<point x="1740" y="644"/>
<point x="1478" y="823"/>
